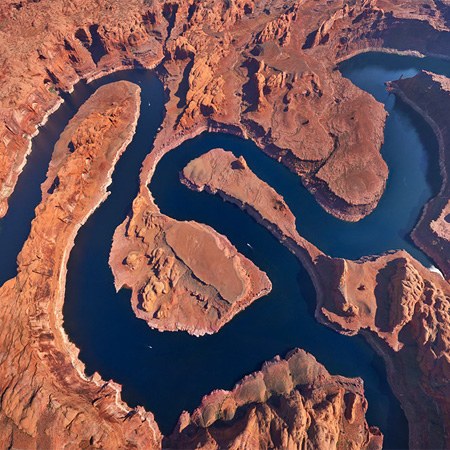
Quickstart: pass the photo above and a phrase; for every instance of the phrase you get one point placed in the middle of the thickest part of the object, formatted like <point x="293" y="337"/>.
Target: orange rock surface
<point x="46" y="399"/>
<point x="401" y="307"/>
<point x="403" y="310"/>
<point x="291" y="403"/>
<point x="265" y="70"/>
<point x="184" y="275"/>
<point x="262" y="69"/>
<point x="429" y="95"/>
<point x="219" y="171"/>
<point x="46" y="46"/>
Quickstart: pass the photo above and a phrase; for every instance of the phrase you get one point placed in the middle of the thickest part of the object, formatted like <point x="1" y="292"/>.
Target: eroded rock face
<point x="47" y="46"/>
<point x="291" y="403"/>
<point x="429" y="95"/>
<point x="46" y="400"/>
<point x="403" y="309"/>
<point x="184" y="275"/>
<point x="400" y="306"/>
<point x="295" y="107"/>
<point x="263" y="69"/>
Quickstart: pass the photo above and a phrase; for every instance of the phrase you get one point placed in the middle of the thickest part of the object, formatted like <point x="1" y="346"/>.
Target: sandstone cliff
<point x="264" y="69"/>
<point x="429" y="94"/>
<point x="46" y="400"/>
<point x="291" y="403"/>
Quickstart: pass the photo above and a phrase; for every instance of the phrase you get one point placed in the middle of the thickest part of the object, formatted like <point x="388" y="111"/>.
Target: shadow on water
<point x="180" y="369"/>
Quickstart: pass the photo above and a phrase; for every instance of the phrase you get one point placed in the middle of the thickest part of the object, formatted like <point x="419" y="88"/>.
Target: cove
<point x="180" y="369"/>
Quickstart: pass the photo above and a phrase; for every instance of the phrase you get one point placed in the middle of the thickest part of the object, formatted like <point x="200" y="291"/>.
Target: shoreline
<point x="424" y="221"/>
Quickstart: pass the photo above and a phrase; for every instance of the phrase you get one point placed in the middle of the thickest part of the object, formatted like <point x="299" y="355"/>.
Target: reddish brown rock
<point x="47" y="402"/>
<point x="184" y="275"/>
<point x="261" y="69"/>
<point x="220" y="172"/>
<point x="403" y="310"/>
<point x="46" y="399"/>
<point x="401" y="307"/>
<point x="291" y="403"/>
<point x="46" y="46"/>
<point x="429" y="95"/>
<point x="295" y="109"/>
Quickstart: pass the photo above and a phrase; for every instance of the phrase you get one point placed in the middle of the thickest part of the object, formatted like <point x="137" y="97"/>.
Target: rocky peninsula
<point x="46" y="399"/>
<point x="184" y="275"/>
<point x="290" y="403"/>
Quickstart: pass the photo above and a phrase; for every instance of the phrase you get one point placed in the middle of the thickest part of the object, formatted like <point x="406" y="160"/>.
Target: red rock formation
<point x="429" y="94"/>
<point x="291" y="403"/>
<point x="401" y="307"/>
<point x="403" y="310"/>
<point x="47" y="46"/>
<point x="219" y="171"/>
<point x="184" y="275"/>
<point x="296" y="109"/>
<point x="46" y="399"/>
<point x="261" y="69"/>
<point x="277" y="60"/>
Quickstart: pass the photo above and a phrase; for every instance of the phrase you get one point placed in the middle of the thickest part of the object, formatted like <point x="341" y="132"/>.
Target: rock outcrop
<point x="263" y="69"/>
<point x="46" y="47"/>
<point x="403" y="310"/>
<point x="46" y="399"/>
<point x="291" y="403"/>
<point x="401" y="307"/>
<point x="429" y="95"/>
<point x="184" y="275"/>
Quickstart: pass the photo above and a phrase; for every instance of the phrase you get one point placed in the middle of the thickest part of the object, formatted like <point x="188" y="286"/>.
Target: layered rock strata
<point x="429" y="95"/>
<point x="184" y="275"/>
<point x="291" y="403"/>
<point x="403" y="310"/>
<point x="262" y="69"/>
<point x="46" y="47"/>
<point x="46" y="399"/>
<point x="401" y="307"/>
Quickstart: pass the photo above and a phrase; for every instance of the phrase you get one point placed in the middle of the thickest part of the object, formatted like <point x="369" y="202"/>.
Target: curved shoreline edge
<point x="426" y="94"/>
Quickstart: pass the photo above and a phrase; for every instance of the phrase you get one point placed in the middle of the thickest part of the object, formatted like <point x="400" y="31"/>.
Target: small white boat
<point x="249" y="245"/>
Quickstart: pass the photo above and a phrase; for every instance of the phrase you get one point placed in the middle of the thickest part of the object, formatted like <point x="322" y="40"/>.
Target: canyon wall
<point x="429" y="95"/>
<point x="46" y="399"/>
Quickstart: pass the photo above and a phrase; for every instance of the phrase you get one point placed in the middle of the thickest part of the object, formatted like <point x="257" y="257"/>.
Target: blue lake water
<point x="180" y="369"/>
